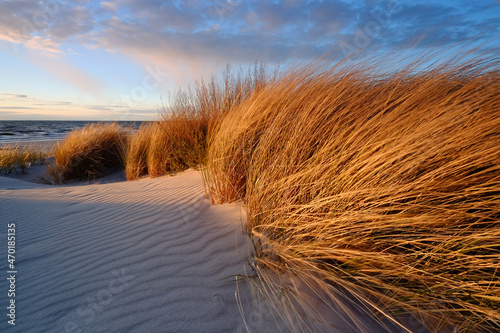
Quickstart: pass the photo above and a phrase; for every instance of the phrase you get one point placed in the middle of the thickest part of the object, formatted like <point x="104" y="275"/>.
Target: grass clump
<point x="15" y="158"/>
<point x="179" y="140"/>
<point x="169" y="148"/>
<point x="90" y="152"/>
<point x="136" y="164"/>
<point x="381" y="186"/>
<point x="165" y="147"/>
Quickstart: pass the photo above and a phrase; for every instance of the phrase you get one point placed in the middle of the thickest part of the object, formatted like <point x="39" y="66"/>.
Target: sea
<point x="12" y="131"/>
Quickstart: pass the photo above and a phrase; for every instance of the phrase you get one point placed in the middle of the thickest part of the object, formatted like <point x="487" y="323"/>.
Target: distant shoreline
<point x="40" y="144"/>
<point x="19" y="132"/>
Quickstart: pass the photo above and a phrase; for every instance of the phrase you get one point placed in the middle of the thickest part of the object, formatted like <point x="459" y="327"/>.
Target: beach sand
<point x="142" y="256"/>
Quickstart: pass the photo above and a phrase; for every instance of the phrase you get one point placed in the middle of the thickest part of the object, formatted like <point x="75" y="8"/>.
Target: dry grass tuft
<point x="195" y="113"/>
<point x="165" y="153"/>
<point x="14" y="158"/>
<point x="136" y="164"/>
<point x="383" y="186"/>
<point x="179" y="140"/>
<point x="89" y="153"/>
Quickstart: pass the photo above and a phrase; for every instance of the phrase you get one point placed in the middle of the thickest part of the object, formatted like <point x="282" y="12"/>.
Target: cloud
<point x="7" y="96"/>
<point x="52" y="103"/>
<point x="200" y="34"/>
<point x="43" y="25"/>
<point x="193" y="38"/>
<point x="16" y="20"/>
<point x="217" y="31"/>
<point x="32" y="108"/>
<point x="16" y="107"/>
<point x="108" y="5"/>
<point x="44" y="44"/>
<point x="71" y="74"/>
<point x="71" y="22"/>
<point x="20" y="98"/>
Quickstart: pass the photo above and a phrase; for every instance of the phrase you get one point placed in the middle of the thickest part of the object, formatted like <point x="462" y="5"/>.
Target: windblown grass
<point x="383" y="187"/>
<point x="168" y="146"/>
<point x="179" y="140"/>
<point x="90" y="152"/>
<point x="165" y="147"/>
<point x="14" y="158"/>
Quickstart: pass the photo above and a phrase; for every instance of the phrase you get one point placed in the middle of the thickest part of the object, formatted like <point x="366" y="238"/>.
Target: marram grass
<point x="136" y="164"/>
<point x="385" y="187"/>
<point x="378" y="189"/>
<point x="90" y="152"/>
<point x="178" y="141"/>
<point x="14" y="158"/>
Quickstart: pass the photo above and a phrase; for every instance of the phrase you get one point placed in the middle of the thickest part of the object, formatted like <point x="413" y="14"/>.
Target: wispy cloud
<point x="108" y="6"/>
<point x="7" y="96"/>
<point x="17" y="107"/>
<point x="192" y="38"/>
<point x="238" y="31"/>
<point x="44" y="44"/>
<point x="61" y="68"/>
<point x="20" y="98"/>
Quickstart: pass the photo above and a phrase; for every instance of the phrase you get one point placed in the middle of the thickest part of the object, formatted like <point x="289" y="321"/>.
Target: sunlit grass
<point x="137" y="152"/>
<point x="90" y="152"/>
<point x="377" y="190"/>
<point x="381" y="186"/>
<point x="179" y="140"/>
<point x="16" y="158"/>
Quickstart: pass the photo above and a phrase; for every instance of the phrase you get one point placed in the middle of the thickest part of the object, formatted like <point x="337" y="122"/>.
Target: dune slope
<point x="146" y="256"/>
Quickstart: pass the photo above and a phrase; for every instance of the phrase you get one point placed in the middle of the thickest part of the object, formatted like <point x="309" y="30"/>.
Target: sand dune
<point x="144" y="256"/>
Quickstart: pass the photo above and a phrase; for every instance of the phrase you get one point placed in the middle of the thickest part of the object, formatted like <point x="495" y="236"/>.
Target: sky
<point x="120" y="59"/>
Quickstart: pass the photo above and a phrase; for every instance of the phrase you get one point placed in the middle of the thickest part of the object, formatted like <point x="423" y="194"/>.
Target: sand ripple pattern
<point x="142" y="256"/>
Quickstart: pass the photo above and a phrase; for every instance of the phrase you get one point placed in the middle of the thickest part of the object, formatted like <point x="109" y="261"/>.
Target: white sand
<point x="143" y="256"/>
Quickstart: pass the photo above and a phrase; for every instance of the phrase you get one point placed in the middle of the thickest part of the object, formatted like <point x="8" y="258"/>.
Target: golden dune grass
<point x="377" y="188"/>
<point x="179" y="140"/>
<point x="90" y="152"/>
<point x="14" y="157"/>
<point x="165" y="153"/>
<point x="136" y="163"/>
<point x="173" y="144"/>
<point x="381" y="186"/>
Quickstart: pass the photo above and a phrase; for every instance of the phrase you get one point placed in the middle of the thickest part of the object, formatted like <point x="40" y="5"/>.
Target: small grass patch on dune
<point x="90" y="152"/>
<point x="15" y="158"/>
